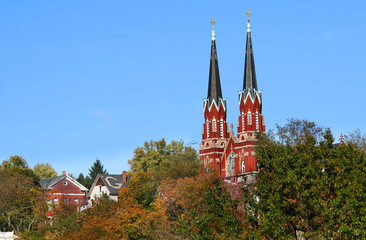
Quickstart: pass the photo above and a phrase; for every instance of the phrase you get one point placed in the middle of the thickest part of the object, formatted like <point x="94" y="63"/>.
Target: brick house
<point x="64" y="188"/>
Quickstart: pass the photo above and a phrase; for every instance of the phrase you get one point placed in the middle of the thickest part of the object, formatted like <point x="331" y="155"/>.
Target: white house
<point x="108" y="184"/>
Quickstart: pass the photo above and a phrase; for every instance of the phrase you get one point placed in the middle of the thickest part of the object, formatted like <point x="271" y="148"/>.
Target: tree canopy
<point x="173" y="160"/>
<point x="14" y="162"/>
<point x="307" y="189"/>
<point x="22" y="203"/>
<point x="19" y="164"/>
<point x="44" y="170"/>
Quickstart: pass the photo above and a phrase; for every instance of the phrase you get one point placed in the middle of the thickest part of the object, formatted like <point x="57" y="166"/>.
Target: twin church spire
<point x="231" y="155"/>
<point x="250" y="79"/>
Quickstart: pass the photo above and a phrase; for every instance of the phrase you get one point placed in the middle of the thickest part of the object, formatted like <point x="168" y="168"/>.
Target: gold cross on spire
<point x="213" y="23"/>
<point x="248" y="15"/>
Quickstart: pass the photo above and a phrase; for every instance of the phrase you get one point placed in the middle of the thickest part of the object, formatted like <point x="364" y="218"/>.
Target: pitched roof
<point x="48" y="183"/>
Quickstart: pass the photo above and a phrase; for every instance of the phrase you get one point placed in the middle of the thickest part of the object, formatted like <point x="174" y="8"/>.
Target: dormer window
<point x="249" y="117"/>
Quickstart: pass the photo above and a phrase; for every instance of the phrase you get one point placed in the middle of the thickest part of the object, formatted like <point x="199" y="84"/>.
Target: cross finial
<point x="248" y="24"/>
<point x="248" y="15"/>
<point x="213" y="30"/>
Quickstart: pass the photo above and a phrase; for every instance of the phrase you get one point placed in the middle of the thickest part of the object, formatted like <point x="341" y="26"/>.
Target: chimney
<point x="124" y="176"/>
<point x="63" y="173"/>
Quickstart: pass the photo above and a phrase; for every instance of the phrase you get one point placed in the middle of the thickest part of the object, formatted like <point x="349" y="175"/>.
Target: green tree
<point x="66" y="219"/>
<point x="297" y="130"/>
<point x="143" y="188"/>
<point x="81" y="179"/>
<point x="43" y="170"/>
<point x="14" y="162"/>
<point x="165" y="160"/>
<point x="18" y="164"/>
<point x="307" y="189"/>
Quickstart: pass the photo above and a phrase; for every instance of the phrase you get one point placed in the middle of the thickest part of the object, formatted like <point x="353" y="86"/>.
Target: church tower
<point x="215" y="129"/>
<point x="250" y="119"/>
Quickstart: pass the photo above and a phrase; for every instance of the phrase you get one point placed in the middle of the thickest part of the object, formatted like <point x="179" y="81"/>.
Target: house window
<point x="221" y="128"/>
<point x="243" y="167"/>
<point x="242" y="121"/>
<point x="249" y="117"/>
<point x="256" y="121"/>
<point x="65" y="183"/>
<point x="76" y="201"/>
<point x="214" y="125"/>
<point x="66" y="201"/>
<point x="208" y="128"/>
<point x="55" y="201"/>
<point x="100" y="188"/>
<point x="49" y="201"/>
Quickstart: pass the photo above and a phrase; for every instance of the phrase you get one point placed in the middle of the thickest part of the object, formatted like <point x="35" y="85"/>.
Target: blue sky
<point x="82" y="80"/>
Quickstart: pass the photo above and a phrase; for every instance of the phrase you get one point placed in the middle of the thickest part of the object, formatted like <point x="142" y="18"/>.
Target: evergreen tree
<point x="81" y="179"/>
<point x="96" y="169"/>
<point x="88" y="182"/>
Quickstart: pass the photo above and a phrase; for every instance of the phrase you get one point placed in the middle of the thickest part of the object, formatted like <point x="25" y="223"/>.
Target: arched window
<point x="208" y="128"/>
<point x="221" y="128"/>
<point x="242" y="121"/>
<point x="256" y="121"/>
<point x="214" y="125"/>
<point x="243" y="167"/>
<point x="249" y="117"/>
<point x="230" y="165"/>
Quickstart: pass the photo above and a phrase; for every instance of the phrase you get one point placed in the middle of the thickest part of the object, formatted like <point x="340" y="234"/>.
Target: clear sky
<point x="82" y="80"/>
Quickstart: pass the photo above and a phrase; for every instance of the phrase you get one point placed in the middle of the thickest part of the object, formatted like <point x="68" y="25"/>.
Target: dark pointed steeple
<point x="214" y="85"/>
<point x="250" y="80"/>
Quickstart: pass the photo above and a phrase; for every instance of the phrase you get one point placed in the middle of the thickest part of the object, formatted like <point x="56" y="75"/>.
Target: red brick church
<point x="232" y="155"/>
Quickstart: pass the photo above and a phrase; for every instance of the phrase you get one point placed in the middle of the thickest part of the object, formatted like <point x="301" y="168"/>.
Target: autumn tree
<point x="306" y="188"/>
<point x="201" y="208"/>
<point x="22" y="202"/>
<point x="44" y="170"/>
